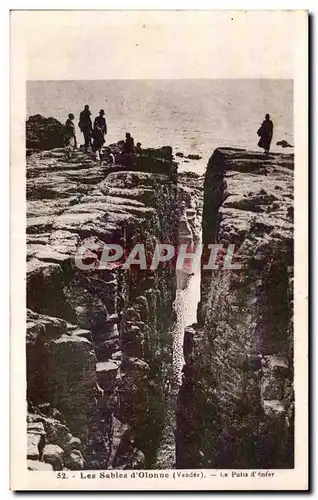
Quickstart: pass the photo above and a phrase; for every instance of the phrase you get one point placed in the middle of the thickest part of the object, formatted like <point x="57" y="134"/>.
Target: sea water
<point x="192" y="116"/>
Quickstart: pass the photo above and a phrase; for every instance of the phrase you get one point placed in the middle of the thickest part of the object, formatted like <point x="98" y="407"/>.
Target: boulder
<point x="71" y="374"/>
<point x="53" y="454"/>
<point x="44" y="133"/>
<point x="194" y="157"/>
<point x="73" y="444"/>
<point x="106" y="372"/>
<point x="284" y="144"/>
<point x="36" y="428"/>
<point x="75" y="460"/>
<point x="105" y="349"/>
<point x="33" y="446"/>
<point x="57" y="433"/>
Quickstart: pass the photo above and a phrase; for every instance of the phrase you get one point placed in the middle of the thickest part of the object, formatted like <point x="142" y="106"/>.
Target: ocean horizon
<point x="192" y="116"/>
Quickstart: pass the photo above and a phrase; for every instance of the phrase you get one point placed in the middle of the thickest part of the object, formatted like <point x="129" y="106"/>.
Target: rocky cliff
<point x="101" y="386"/>
<point x="236" y="401"/>
<point x="99" y="346"/>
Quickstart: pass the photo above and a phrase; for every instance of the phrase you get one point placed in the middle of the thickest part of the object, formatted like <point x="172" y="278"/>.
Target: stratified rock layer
<point x="236" y="401"/>
<point x="50" y="444"/>
<point x="98" y="344"/>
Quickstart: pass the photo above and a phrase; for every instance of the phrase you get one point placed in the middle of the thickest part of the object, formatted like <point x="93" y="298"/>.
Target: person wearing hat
<point x="70" y="135"/>
<point x="99" y="132"/>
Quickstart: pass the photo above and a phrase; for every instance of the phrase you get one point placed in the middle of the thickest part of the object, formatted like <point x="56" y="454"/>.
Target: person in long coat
<point x="85" y="124"/>
<point x="265" y="132"/>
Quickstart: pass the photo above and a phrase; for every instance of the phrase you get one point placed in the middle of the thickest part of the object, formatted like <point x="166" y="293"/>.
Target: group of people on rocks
<point x="95" y="135"/>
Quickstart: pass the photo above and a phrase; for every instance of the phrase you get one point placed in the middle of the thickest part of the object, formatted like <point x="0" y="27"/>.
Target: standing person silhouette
<point x="99" y="132"/>
<point x="128" y="152"/>
<point x="70" y="135"/>
<point x="85" y="124"/>
<point x="129" y="146"/>
<point x="266" y="133"/>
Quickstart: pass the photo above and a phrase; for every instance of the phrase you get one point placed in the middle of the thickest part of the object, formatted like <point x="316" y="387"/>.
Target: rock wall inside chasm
<point x="235" y="406"/>
<point x="103" y="364"/>
<point x="99" y="351"/>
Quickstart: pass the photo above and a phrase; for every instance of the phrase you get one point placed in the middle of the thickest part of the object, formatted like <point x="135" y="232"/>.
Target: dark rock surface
<point x="98" y="347"/>
<point x="99" y="341"/>
<point x="50" y="444"/>
<point x="43" y="133"/>
<point x="194" y="157"/>
<point x="236" y="401"/>
<point x="284" y="144"/>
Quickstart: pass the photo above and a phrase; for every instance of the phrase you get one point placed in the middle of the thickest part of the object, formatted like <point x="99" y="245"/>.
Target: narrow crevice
<point x="235" y="407"/>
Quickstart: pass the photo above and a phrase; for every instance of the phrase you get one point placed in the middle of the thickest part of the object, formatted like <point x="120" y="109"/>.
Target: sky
<point x="157" y="44"/>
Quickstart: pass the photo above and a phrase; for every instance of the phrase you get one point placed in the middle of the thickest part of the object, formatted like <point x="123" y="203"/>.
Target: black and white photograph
<point x="159" y="335"/>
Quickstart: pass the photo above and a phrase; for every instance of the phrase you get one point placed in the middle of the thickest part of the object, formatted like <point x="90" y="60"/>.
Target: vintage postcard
<point x="159" y="250"/>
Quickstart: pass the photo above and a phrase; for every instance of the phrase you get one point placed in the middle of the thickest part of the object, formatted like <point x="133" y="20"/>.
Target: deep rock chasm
<point x="112" y="382"/>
